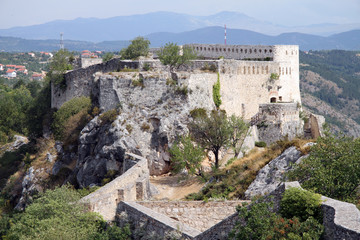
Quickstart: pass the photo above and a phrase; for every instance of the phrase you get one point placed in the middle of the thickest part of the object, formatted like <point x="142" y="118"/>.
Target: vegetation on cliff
<point x="173" y="56"/>
<point x="139" y="47"/>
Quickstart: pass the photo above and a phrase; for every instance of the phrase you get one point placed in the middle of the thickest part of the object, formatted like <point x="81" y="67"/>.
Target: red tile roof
<point x="10" y="70"/>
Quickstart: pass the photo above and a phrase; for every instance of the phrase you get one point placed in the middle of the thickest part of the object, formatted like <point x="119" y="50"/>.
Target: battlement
<point x="277" y="53"/>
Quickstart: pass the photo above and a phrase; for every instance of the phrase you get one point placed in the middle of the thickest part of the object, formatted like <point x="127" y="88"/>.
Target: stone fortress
<point x="259" y="83"/>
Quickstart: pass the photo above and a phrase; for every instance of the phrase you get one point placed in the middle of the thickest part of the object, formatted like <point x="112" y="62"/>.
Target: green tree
<point x="13" y="107"/>
<point x="138" y="47"/>
<point x="240" y="128"/>
<point x="185" y="155"/>
<point x="57" y="214"/>
<point x="60" y="63"/>
<point x="332" y="168"/>
<point x="173" y="56"/>
<point x="107" y="56"/>
<point x="216" y="131"/>
<point x="68" y="109"/>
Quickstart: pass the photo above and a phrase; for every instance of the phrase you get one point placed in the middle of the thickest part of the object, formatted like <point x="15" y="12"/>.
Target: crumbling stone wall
<point x="132" y="185"/>
<point x="197" y="214"/>
<point x="276" y="120"/>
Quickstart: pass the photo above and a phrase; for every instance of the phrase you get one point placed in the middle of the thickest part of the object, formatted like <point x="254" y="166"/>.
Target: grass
<point x="232" y="181"/>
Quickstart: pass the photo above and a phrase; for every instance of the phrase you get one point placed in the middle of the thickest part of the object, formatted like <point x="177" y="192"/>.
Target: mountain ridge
<point x="128" y="27"/>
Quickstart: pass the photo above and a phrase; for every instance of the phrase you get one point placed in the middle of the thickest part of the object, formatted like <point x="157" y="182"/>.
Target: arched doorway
<point x="273" y="100"/>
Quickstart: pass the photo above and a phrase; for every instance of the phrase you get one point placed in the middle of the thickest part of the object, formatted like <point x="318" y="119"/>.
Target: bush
<point x="216" y="92"/>
<point x="258" y="222"/>
<point x="109" y="116"/>
<point x="260" y="144"/>
<point x="68" y="109"/>
<point x="300" y="203"/>
<point x="332" y="168"/>
<point x="198" y="112"/>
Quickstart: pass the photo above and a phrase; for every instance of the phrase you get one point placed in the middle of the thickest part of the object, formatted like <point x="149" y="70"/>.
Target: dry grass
<point x="232" y="181"/>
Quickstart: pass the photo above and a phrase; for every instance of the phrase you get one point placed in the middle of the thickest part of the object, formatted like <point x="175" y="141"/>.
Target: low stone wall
<point x="130" y="186"/>
<point x="151" y="222"/>
<point x="197" y="214"/>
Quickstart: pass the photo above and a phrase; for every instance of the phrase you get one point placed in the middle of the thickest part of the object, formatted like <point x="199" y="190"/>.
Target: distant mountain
<point x="128" y="27"/>
<point x="345" y="41"/>
<point x="12" y="44"/>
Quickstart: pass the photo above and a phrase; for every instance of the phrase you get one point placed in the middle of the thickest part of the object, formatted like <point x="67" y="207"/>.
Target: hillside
<point x="329" y="82"/>
<point x="345" y="41"/>
<point x="128" y="27"/>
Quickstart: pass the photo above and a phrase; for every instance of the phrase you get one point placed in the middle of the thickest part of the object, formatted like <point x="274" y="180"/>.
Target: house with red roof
<point x="37" y="76"/>
<point x="22" y="70"/>
<point x="11" y="73"/>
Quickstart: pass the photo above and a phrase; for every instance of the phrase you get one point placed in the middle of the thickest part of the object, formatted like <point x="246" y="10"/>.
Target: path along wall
<point x="133" y="185"/>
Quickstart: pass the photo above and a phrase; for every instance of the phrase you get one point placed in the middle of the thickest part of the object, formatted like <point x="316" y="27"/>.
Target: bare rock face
<point x="270" y="176"/>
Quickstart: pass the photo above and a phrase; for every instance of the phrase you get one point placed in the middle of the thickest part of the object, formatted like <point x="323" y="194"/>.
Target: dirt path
<point x="175" y="187"/>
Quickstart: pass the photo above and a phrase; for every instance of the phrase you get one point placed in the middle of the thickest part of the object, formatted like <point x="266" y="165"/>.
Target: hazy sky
<point x="284" y="12"/>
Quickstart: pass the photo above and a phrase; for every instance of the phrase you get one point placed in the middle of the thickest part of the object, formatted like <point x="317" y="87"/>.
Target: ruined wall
<point x="196" y="214"/>
<point x="130" y="186"/>
<point x="80" y="81"/>
<point x="276" y="120"/>
<point x="150" y="222"/>
<point x="86" y="62"/>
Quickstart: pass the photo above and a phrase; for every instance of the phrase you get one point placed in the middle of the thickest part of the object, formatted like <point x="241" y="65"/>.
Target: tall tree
<point x="138" y="47"/>
<point x="174" y="56"/>
<point x="216" y="131"/>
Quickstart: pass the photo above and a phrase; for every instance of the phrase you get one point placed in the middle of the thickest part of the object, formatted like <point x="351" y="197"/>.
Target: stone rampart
<point x="197" y="214"/>
<point x="153" y="222"/>
<point x="276" y="120"/>
<point x="132" y="185"/>
<point x="79" y="82"/>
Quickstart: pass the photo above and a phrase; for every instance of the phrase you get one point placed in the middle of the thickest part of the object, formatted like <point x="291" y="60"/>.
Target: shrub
<point x="182" y="90"/>
<point x="198" y="112"/>
<point x="261" y="144"/>
<point x="258" y="222"/>
<point x="109" y="116"/>
<point x="300" y="203"/>
<point x="146" y="67"/>
<point x="129" y="128"/>
<point x="145" y="127"/>
<point x="216" y="92"/>
<point x="68" y="109"/>
<point x="138" y="82"/>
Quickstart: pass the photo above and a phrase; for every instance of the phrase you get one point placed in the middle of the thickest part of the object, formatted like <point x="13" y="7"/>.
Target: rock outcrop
<point x="270" y="176"/>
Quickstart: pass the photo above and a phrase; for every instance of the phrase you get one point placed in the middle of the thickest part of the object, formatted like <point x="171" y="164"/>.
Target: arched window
<point x="265" y="51"/>
<point x="257" y="70"/>
<point x="279" y="70"/>
<point x="253" y="70"/>
<point x="254" y="50"/>
<point x="249" y="70"/>
<point x="250" y="51"/>
<point x="244" y="70"/>
<point x="286" y="71"/>
<point x="267" y="69"/>
<point x="270" y="51"/>
<point x="273" y="100"/>
<point x="259" y="50"/>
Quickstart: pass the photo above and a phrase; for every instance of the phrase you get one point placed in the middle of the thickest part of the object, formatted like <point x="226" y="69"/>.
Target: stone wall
<point x="79" y="82"/>
<point x="86" y="62"/>
<point x="276" y="120"/>
<point x="197" y="214"/>
<point x="132" y="185"/>
<point x="150" y="222"/>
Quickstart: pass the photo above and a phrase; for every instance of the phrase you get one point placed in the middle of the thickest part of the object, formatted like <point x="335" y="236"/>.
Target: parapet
<point x="277" y="53"/>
